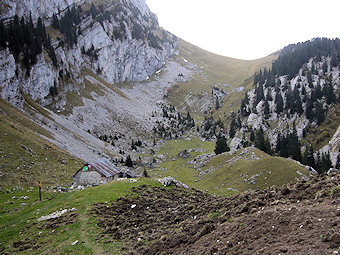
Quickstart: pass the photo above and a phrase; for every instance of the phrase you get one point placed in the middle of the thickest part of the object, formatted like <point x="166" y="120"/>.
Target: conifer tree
<point x="308" y="157"/>
<point x="232" y="128"/>
<point x="279" y="102"/>
<point x="266" y="109"/>
<point x="128" y="162"/>
<point x="221" y="145"/>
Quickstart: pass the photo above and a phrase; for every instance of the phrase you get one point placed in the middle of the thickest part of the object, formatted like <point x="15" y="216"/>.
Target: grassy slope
<point x="220" y="70"/>
<point x="22" y="167"/>
<point x="179" y="168"/>
<point x="15" y="217"/>
<point x="271" y="170"/>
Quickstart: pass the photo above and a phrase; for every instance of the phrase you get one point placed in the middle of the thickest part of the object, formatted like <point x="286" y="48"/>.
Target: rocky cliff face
<point x="44" y="9"/>
<point x="120" y="41"/>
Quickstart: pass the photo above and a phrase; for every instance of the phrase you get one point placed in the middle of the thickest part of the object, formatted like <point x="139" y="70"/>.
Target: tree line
<point x="26" y="41"/>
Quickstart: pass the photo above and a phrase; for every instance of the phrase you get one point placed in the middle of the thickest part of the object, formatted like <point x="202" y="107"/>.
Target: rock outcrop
<point x="120" y="42"/>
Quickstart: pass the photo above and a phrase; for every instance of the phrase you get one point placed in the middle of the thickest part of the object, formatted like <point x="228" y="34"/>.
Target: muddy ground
<point x="301" y="218"/>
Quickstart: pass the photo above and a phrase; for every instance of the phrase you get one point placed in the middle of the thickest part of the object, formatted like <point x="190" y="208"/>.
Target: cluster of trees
<point x="291" y="60"/>
<point x="321" y="163"/>
<point x="312" y="104"/>
<point x="294" y="56"/>
<point x="26" y="40"/>
<point x="234" y="125"/>
<point x="106" y="138"/>
<point x="68" y="24"/>
<point x="210" y="127"/>
<point x="139" y="33"/>
<point x="260" y="141"/>
<point x="178" y="123"/>
<point x="91" y="52"/>
<point x="289" y="146"/>
<point x="135" y="144"/>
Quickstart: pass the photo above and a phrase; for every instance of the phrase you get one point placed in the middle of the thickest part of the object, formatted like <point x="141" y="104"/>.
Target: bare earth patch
<point x="301" y="218"/>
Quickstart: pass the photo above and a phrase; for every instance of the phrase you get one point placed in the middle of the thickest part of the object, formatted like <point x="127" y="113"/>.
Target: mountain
<point x="84" y="80"/>
<point x="85" y="49"/>
<point x="104" y="80"/>
<point x="295" y="104"/>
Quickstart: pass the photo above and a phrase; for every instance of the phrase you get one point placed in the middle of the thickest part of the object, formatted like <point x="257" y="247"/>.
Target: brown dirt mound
<point x="301" y="218"/>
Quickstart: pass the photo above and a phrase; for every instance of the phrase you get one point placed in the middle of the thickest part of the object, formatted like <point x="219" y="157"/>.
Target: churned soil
<point x="33" y="242"/>
<point x="301" y="218"/>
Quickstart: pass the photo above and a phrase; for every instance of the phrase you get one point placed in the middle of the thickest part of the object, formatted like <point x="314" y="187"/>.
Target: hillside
<point x="234" y="142"/>
<point x="231" y="76"/>
<point x="27" y="157"/>
<point x="144" y="218"/>
<point x="224" y="174"/>
<point x="295" y="104"/>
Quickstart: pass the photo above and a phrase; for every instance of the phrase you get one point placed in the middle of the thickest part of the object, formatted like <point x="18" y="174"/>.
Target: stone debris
<point x="74" y="243"/>
<point x="56" y="214"/>
<point x="168" y="181"/>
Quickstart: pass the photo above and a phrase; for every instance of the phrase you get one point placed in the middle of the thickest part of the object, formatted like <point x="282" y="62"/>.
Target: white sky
<point x="248" y="29"/>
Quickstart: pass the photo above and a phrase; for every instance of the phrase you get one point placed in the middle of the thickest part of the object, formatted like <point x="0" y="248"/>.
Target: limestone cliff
<point x="119" y="40"/>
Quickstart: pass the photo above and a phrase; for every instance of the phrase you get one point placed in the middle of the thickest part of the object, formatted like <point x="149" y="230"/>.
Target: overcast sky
<point x="248" y="29"/>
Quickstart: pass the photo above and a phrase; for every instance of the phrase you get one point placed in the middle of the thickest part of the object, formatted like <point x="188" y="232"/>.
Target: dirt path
<point x="87" y="236"/>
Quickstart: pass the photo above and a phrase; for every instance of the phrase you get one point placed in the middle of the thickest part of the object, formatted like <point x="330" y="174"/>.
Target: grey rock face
<point x="118" y="59"/>
<point x="44" y="9"/>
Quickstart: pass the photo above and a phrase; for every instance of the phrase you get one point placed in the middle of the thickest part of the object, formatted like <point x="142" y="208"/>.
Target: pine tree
<point x="337" y="166"/>
<point x="319" y="113"/>
<point x="266" y="110"/>
<point x="217" y="104"/>
<point x="128" y="162"/>
<point x="252" y="136"/>
<point x="55" y="22"/>
<point x="232" y="128"/>
<point x="221" y="145"/>
<point x="279" y="102"/>
<point x="309" y="110"/>
<point x="145" y="173"/>
<point x="308" y="157"/>
<point x="259" y="140"/>
<point x="328" y="92"/>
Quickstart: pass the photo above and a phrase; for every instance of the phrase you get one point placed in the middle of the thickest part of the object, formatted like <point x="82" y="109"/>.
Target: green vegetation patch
<point x="27" y="158"/>
<point x="22" y="232"/>
<point x="255" y="170"/>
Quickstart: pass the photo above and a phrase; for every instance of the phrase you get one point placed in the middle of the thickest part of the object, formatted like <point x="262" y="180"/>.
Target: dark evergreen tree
<point x="266" y="110"/>
<point x="308" y="157"/>
<point x="279" y="102"/>
<point x="221" y="145"/>
<point x="252" y="136"/>
<point x="337" y="166"/>
<point x="55" y="22"/>
<point x="217" y="104"/>
<point x="319" y="113"/>
<point x="145" y="173"/>
<point x="261" y="143"/>
<point x="233" y="128"/>
<point x="128" y="162"/>
<point x="323" y="162"/>
<point x="328" y="92"/>
<point x="309" y="109"/>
